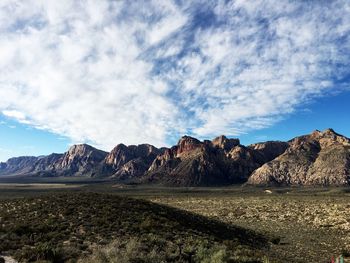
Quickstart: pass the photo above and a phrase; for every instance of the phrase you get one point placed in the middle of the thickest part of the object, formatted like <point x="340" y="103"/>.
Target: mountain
<point x="321" y="158"/>
<point x="127" y="162"/>
<point x="77" y="161"/>
<point x="80" y="159"/>
<point x="123" y="162"/>
<point x="18" y="165"/>
<point x="221" y="161"/>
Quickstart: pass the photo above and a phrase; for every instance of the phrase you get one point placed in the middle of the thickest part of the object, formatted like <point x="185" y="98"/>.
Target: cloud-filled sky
<point x="105" y="72"/>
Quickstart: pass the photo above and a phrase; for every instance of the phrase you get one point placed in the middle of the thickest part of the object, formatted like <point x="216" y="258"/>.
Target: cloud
<point x="105" y="72"/>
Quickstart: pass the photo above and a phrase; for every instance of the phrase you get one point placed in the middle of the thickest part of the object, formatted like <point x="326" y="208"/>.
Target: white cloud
<point x="14" y="114"/>
<point x="106" y="72"/>
<point x="172" y="21"/>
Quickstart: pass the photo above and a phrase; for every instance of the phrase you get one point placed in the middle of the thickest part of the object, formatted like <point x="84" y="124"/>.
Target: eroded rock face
<point x="193" y="163"/>
<point x="45" y="165"/>
<point x="269" y="150"/>
<point x="132" y="169"/>
<point x="321" y="158"/>
<point x="18" y="165"/>
<point x="187" y="145"/>
<point x="224" y="143"/>
<point x="126" y="162"/>
<point x="80" y="160"/>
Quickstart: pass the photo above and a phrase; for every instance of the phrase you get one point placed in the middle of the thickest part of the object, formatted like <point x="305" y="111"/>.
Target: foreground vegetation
<point x="75" y="224"/>
<point x="91" y="227"/>
<point x="307" y="225"/>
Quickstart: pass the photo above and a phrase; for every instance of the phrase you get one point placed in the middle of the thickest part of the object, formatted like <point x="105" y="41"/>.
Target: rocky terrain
<point x="306" y="223"/>
<point x="320" y="158"/>
<point x="126" y="162"/>
<point x="221" y="161"/>
<point x="18" y="165"/>
<point x="77" y="161"/>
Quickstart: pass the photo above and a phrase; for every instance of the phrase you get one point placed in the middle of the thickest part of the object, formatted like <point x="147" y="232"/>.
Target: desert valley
<point x="211" y="201"/>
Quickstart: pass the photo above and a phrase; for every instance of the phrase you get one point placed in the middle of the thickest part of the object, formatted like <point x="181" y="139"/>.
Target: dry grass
<point x="303" y="226"/>
<point x="9" y="186"/>
<point x="62" y="227"/>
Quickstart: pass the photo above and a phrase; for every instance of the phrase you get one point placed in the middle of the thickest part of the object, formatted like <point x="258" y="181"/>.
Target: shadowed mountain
<point x="222" y="161"/>
<point x="321" y="158"/>
<point x="18" y="165"/>
<point x="79" y="160"/>
<point x="127" y="162"/>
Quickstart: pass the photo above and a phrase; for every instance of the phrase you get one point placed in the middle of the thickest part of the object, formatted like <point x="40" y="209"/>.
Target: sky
<point x="116" y="71"/>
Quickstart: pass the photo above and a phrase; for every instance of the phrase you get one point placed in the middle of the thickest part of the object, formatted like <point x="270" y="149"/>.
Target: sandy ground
<point x="38" y="186"/>
<point x="9" y="259"/>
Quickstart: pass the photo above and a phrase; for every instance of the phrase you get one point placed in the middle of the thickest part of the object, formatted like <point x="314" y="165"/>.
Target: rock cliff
<point x="321" y="158"/>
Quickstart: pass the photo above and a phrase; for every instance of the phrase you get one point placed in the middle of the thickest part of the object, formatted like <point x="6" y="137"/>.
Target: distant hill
<point x="79" y="160"/>
<point x="321" y="158"/>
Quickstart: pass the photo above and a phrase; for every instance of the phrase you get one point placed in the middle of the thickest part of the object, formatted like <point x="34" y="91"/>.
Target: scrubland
<point x="105" y="223"/>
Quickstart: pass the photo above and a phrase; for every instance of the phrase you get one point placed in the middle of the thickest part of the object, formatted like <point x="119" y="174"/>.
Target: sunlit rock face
<point x="79" y="160"/>
<point x="320" y="158"/>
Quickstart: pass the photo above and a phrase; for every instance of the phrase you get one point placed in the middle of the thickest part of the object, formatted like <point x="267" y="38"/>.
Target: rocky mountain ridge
<point x="221" y="161"/>
<point x="320" y="158"/>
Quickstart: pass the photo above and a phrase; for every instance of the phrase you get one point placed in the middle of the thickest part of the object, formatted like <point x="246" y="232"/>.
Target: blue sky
<point x="105" y="72"/>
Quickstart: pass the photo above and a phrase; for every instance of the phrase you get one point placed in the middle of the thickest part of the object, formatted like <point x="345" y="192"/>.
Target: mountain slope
<point x="321" y="158"/>
<point x="77" y="161"/>
<point x="18" y="165"/>
<point x="191" y="162"/>
<point x="127" y="162"/>
<point x="80" y="160"/>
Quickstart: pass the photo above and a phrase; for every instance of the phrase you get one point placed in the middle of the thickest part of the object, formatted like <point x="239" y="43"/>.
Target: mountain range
<point x="320" y="158"/>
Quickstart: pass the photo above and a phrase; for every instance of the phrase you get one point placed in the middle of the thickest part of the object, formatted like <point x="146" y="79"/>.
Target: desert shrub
<point x="69" y="226"/>
<point x="42" y="251"/>
<point x="137" y="250"/>
<point x="130" y="251"/>
<point x="213" y="254"/>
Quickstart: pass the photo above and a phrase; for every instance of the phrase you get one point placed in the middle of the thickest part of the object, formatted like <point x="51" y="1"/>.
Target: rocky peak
<point x="323" y="138"/>
<point x="119" y="156"/>
<point x="224" y="143"/>
<point x="130" y="161"/>
<point x="80" y="149"/>
<point x="187" y="144"/>
<point x="321" y="158"/>
<point x="81" y="154"/>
